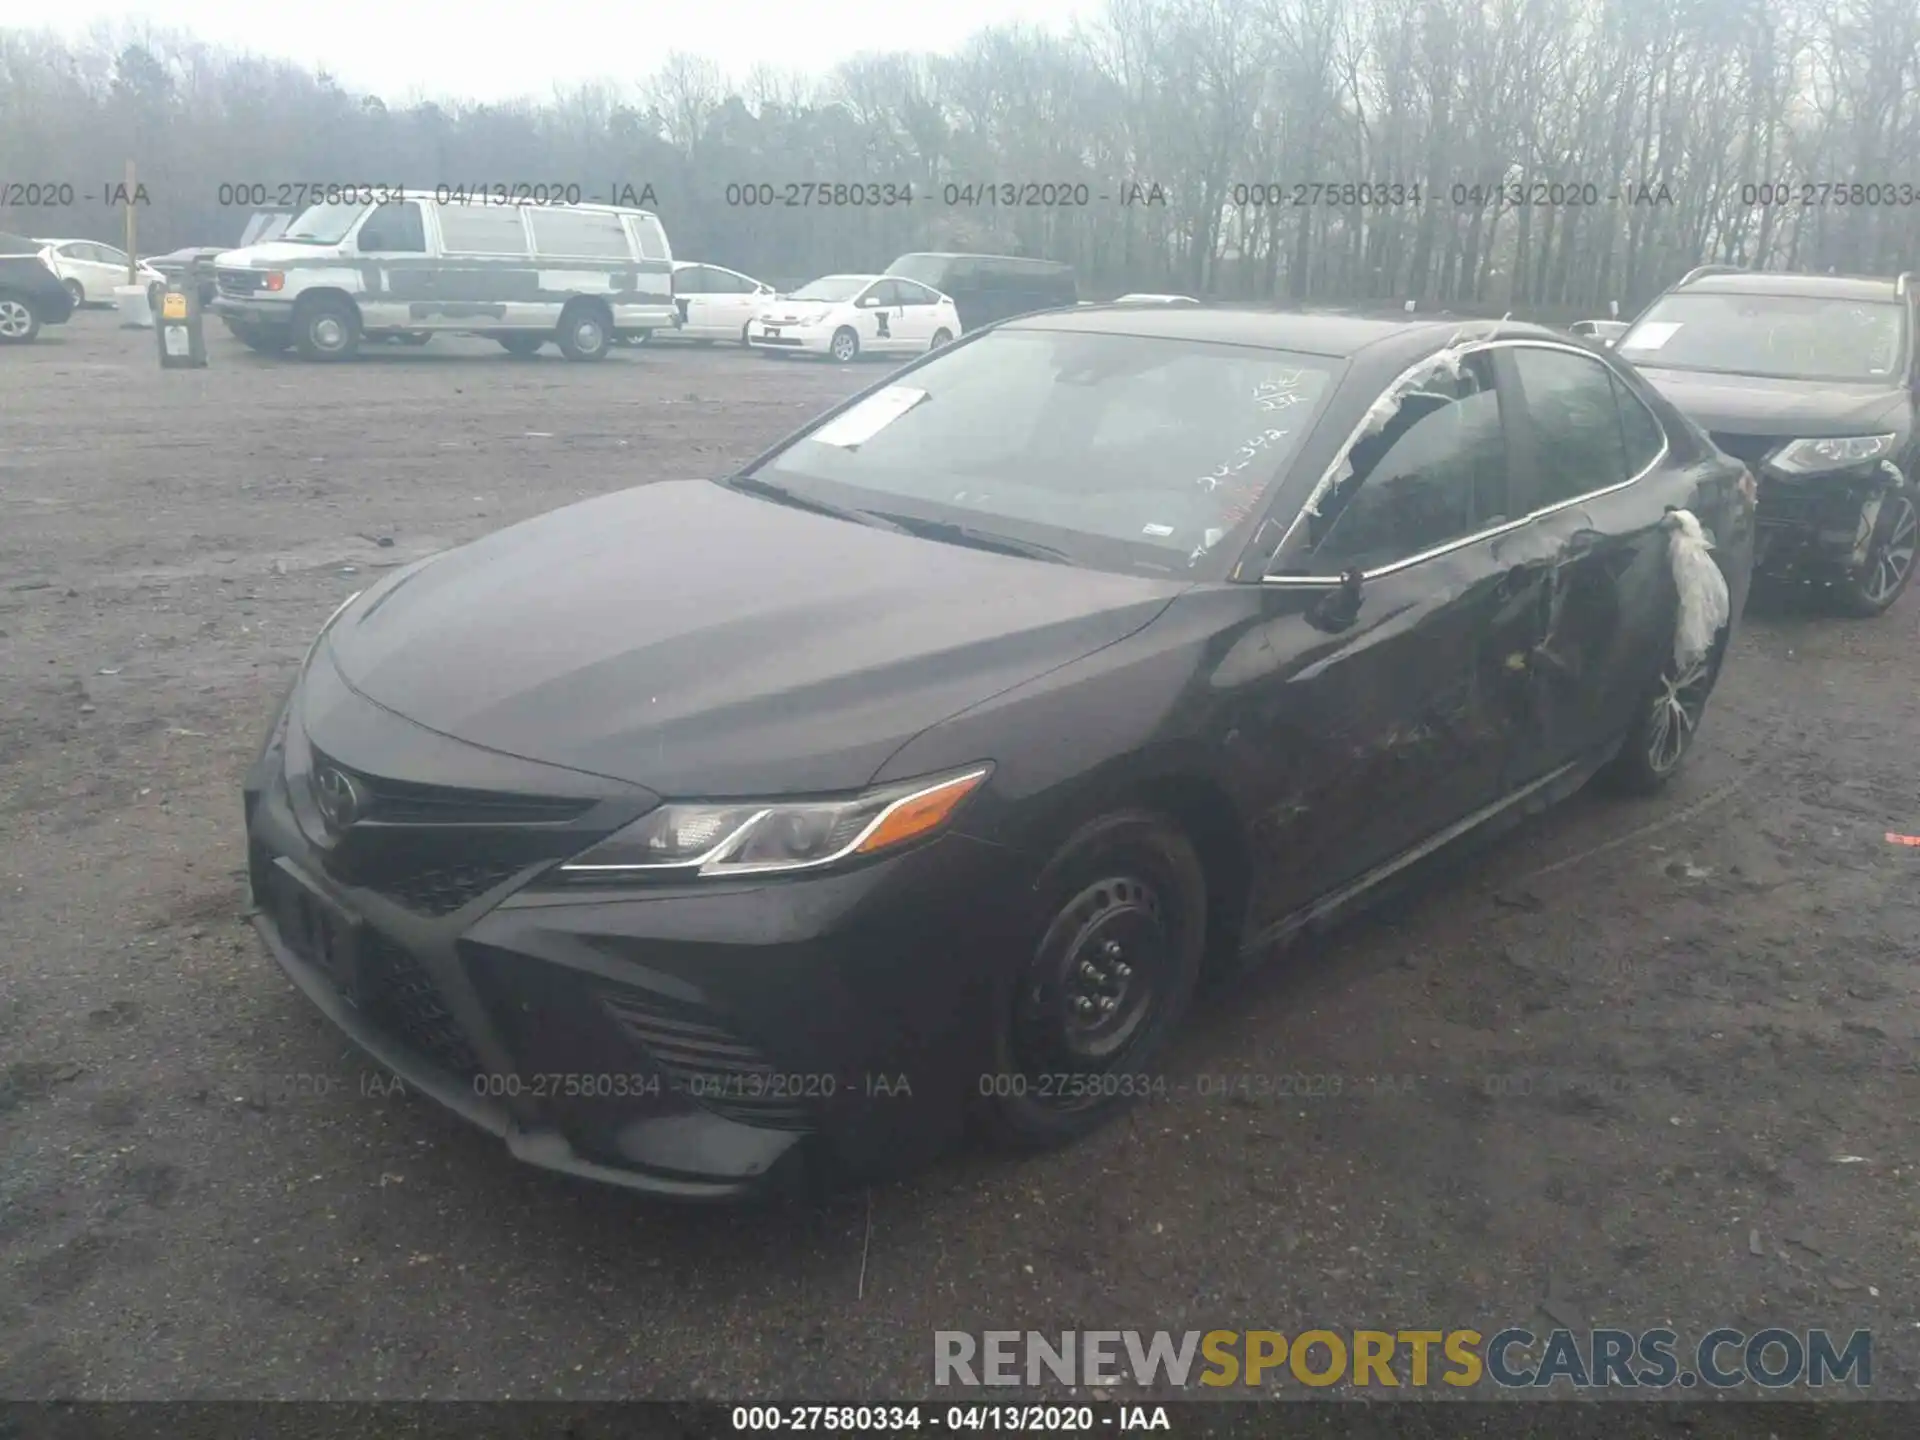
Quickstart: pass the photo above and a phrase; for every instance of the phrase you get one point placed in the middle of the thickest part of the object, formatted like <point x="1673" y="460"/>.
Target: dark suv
<point x="1812" y="381"/>
<point x="31" y="295"/>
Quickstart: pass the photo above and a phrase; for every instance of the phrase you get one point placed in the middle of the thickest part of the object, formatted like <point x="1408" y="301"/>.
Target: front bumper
<point x="791" y="340"/>
<point x="1816" y="524"/>
<point x="703" y="1042"/>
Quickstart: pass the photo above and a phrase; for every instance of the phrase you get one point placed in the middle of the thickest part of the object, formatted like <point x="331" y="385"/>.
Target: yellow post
<point x="133" y="262"/>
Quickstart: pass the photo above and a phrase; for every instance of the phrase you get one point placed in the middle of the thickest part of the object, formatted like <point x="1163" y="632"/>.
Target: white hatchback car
<point x="846" y="316"/>
<point x="90" y="270"/>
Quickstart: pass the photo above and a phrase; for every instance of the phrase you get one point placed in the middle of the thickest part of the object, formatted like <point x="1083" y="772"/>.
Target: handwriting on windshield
<point x="1280" y="393"/>
<point x="1240" y="459"/>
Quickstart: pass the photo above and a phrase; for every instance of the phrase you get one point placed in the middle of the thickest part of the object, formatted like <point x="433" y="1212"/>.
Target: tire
<point x="1119" y="931"/>
<point x="845" y="347"/>
<point x="586" y="331"/>
<point x="264" y="342"/>
<point x="940" y="338"/>
<point x="1888" y="569"/>
<point x="78" y="292"/>
<point x="744" y="343"/>
<point x="522" y="346"/>
<point x="19" y="321"/>
<point x="326" y="328"/>
<point x="1654" y="749"/>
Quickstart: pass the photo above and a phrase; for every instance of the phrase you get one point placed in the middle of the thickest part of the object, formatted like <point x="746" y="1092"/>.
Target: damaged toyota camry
<point x="715" y="834"/>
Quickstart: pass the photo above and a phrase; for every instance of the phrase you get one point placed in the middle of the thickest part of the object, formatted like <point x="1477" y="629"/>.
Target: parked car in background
<point x="91" y="271"/>
<point x="1601" y="332"/>
<point x="986" y="288"/>
<point x="1141" y="298"/>
<point x="578" y="276"/>
<point x="1813" y="381"/>
<point x="846" y="316"/>
<point x="990" y="710"/>
<point x="176" y="264"/>
<point x="714" y="303"/>
<point x="31" y="295"/>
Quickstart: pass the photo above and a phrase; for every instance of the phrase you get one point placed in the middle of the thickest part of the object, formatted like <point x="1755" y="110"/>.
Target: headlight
<point x="1811" y="457"/>
<point x="768" y="837"/>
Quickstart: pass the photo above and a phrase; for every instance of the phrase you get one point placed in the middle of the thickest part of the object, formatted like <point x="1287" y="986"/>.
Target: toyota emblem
<point x="337" y="796"/>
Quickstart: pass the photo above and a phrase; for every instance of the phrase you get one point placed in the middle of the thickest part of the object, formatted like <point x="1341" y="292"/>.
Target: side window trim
<point x="1505" y="380"/>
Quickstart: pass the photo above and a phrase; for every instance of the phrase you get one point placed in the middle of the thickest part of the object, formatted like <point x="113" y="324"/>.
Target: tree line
<point x="1543" y="156"/>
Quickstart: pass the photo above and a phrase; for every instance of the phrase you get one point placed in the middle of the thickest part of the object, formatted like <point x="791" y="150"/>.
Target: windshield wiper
<point x="955" y="534"/>
<point x="754" y="485"/>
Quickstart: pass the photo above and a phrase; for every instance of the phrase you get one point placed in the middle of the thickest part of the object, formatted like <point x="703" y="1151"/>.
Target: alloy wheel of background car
<point x="1888" y="568"/>
<point x="1123" y="908"/>
<point x="78" y="292"/>
<point x="18" y="323"/>
<point x="941" y="337"/>
<point x="846" y="345"/>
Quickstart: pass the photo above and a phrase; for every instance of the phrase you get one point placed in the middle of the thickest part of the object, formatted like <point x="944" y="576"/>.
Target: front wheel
<point x="585" y="332"/>
<point x="19" y="322"/>
<point x="846" y="346"/>
<point x="1668" y="719"/>
<point x="326" y="329"/>
<point x="1883" y="576"/>
<point x="1120" y="928"/>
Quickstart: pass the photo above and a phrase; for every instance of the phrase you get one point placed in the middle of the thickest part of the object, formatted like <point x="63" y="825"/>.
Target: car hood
<point x="702" y="642"/>
<point x="274" y="252"/>
<point x="800" y="312"/>
<point x="1751" y="405"/>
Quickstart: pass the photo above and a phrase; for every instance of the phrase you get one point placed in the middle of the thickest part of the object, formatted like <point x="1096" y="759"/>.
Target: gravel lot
<point x="1577" y="1077"/>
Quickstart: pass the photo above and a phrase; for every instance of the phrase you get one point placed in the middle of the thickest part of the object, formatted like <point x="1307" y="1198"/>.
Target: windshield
<point x="927" y="269"/>
<point x="1122" y="451"/>
<point x="836" y="288"/>
<point x="324" y="224"/>
<point x="1789" y="337"/>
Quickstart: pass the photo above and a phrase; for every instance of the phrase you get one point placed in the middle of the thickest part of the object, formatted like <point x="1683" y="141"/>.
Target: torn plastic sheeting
<point x="1704" y="602"/>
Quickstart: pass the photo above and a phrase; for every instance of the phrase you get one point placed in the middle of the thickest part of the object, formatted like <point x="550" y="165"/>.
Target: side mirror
<point x="1340" y="607"/>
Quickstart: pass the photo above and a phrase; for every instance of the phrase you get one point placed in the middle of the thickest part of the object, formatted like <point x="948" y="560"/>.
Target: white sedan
<point x="847" y="316"/>
<point x="715" y="303"/>
<point x="90" y="270"/>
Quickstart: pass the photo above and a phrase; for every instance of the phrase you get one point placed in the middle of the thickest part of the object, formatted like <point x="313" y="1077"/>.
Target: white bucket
<point x="136" y="307"/>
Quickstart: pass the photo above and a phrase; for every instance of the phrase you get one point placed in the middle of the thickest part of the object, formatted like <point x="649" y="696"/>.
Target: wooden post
<point x="133" y="260"/>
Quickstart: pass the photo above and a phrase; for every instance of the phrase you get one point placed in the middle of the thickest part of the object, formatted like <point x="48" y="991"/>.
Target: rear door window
<point x="1579" y="445"/>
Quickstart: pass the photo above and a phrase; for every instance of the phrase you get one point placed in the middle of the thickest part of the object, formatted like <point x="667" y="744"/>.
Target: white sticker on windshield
<point x="1161" y="530"/>
<point x="869" y="417"/>
<point x="1651" y="336"/>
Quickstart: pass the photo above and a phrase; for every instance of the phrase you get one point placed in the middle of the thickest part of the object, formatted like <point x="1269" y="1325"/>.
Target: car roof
<point x="1337" y="334"/>
<point x="1790" y="283"/>
<point x="868" y="278"/>
<point x="975" y="255"/>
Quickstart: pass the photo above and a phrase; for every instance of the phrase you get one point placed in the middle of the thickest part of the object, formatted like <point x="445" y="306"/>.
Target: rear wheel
<point x="326" y="328"/>
<point x="586" y="331"/>
<point x="846" y="346"/>
<point x="1884" y="575"/>
<point x="1120" y="930"/>
<point x="522" y="346"/>
<point x="941" y="337"/>
<point x="1668" y="719"/>
<point x="78" y="292"/>
<point x="19" y="322"/>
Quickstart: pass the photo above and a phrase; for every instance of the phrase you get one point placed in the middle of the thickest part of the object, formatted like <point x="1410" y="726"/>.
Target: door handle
<point x="1511" y="583"/>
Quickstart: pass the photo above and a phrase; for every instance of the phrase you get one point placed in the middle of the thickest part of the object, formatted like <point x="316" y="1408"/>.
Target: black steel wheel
<point x="1883" y="577"/>
<point x="1120" y="929"/>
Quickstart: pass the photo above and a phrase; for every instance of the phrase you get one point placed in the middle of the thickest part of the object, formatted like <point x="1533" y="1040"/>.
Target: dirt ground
<point x="1604" y="1074"/>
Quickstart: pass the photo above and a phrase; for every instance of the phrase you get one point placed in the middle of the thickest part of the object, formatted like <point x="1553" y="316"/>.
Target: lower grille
<point x="441" y="892"/>
<point x="710" y="1064"/>
<point x="398" y="995"/>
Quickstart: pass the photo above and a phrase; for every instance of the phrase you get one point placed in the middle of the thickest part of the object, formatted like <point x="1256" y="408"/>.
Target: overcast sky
<point x="500" y="49"/>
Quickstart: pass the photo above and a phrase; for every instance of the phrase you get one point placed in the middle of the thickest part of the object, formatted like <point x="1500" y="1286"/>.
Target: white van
<point x="413" y="264"/>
